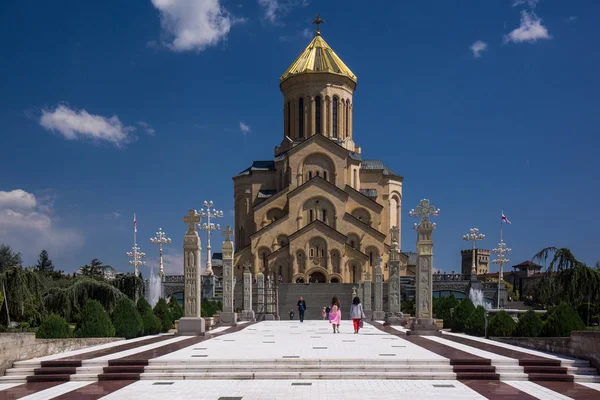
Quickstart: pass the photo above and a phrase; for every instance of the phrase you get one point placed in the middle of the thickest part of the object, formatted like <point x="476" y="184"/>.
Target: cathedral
<point x="318" y="211"/>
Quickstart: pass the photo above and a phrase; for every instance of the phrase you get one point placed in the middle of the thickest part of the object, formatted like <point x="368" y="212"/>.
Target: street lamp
<point x="209" y="227"/>
<point x="160" y="239"/>
<point x="473" y="236"/>
<point x="136" y="258"/>
<point x="501" y="250"/>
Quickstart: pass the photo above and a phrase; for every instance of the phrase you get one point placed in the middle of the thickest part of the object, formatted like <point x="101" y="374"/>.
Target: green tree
<point x="566" y="278"/>
<point x="562" y="322"/>
<point x="161" y="310"/>
<point x="586" y="312"/>
<point x="475" y="324"/>
<point x="126" y="319"/>
<point x="529" y="325"/>
<point x="8" y="258"/>
<point x="501" y="324"/>
<point x="95" y="269"/>
<point x="23" y="289"/>
<point x="462" y="314"/>
<point x="444" y="308"/>
<point x="53" y="327"/>
<point x="143" y="305"/>
<point x="94" y="322"/>
<point x="175" y="308"/>
<point x="132" y="286"/>
<point x="44" y="263"/>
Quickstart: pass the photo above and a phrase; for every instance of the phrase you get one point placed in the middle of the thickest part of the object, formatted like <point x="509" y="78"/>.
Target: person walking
<point x="301" y="308"/>
<point x="291" y="315"/>
<point x="335" y="315"/>
<point x="356" y="313"/>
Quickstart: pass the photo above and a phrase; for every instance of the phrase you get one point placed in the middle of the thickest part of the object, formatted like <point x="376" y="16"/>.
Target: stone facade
<point x="482" y="261"/>
<point x="228" y="316"/>
<point x="318" y="210"/>
<point x="192" y="323"/>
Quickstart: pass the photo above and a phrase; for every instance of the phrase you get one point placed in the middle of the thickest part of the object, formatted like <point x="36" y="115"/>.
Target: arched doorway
<point x="317" y="277"/>
<point x="335" y="280"/>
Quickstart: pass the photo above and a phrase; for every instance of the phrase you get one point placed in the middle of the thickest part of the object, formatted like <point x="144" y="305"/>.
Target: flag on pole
<point x="504" y="219"/>
<point x="135" y="223"/>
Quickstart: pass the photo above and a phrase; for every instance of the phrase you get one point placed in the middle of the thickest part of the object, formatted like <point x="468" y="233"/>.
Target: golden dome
<point x="318" y="57"/>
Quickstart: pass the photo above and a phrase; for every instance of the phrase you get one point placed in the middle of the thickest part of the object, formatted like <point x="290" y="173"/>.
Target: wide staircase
<point x="316" y="295"/>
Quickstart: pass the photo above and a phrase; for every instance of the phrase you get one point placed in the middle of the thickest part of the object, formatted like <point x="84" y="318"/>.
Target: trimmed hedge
<point x="562" y="322"/>
<point x="126" y="319"/>
<point x="475" y="324"/>
<point x="462" y="314"/>
<point x="529" y="325"/>
<point x="161" y="310"/>
<point x="175" y="308"/>
<point x="54" y="327"/>
<point x="143" y="305"/>
<point x="94" y="321"/>
<point x="501" y="324"/>
<point x="151" y="323"/>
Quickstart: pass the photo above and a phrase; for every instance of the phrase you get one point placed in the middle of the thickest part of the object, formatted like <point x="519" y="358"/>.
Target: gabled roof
<point x="317" y="180"/>
<point x="267" y="165"/>
<point x="319" y="224"/>
<point x="528" y="264"/>
<point x="325" y="140"/>
<point x="355" y="193"/>
<point x="360" y="254"/>
<point x="358" y="223"/>
<point x="271" y="198"/>
<point x="318" y="57"/>
<point x="270" y="226"/>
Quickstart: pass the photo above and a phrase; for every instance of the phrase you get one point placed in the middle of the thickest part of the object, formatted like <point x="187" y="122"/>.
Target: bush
<point x="161" y="310"/>
<point x="442" y="309"/>
<point x="94" y="321"/>
<point x="462" y="314"/>
<point x="143" y="305"/>
<point x="151" y="323"/>
<point x="586" y="312"/>
<point x="175" y="308"/>
<point x="529" y="325"/>
<point x="210" y="308"/>
<point x="475" y="324"/>
<point x="53" y="327"/>
<point x="126" y="319"/>
<point x="562" y="322"/>
<point x="501" y="324"/>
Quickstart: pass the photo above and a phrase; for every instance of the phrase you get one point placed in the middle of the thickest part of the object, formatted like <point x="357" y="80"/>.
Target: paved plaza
<point x="292" y="360"/>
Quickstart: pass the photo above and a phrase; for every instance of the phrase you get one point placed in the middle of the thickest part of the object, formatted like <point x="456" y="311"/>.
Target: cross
<point x="318" y="21"/>
<point x="228" y="232"/>
<point x="395" y="232"/>
<point x="191" y="219"/>
<point x="424" y="211"/>
<point x="247" y="266"/>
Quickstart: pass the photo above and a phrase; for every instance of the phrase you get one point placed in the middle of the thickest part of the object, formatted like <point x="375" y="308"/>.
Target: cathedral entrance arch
<point x="317" y="276"/>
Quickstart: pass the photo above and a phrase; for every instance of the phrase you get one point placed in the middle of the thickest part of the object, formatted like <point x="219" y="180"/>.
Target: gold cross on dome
<point x="318" y="21"/>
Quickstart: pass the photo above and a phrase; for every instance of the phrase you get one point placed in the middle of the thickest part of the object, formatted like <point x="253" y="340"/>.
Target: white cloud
<point x="193" y="24"/>
<point x="244" y="128"/>
<point x="572" y="18"/>
<point x="530" y="30"/>
<point x="478" y="47"/>
<point x="274" y="10"/>
<point x="79" y="124"/>
<point x="26" y="224"/>
<point x="113" y="214"/>
<point x="18" y="199"/>
<point x="147" y="127"/>
<point x="530" y="3"/>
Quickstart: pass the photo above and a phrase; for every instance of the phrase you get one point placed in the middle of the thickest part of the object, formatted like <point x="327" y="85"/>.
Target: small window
<point x="324" y="215"/>
<point x="318" y="115"/>
<point x="318" y="173"/>
<point x="325" y="175"/>
<point x="352" y="244"/>
<point x="334" y="113"/>
<point x="347" y="112"/>
<point x="371" y="258"/>
<point x="312" y="252"/>
<point x="309" y="174"/>
<point x="311" y="216"/>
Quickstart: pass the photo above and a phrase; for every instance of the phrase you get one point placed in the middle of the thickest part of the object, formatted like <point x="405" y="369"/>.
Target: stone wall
<point x="24" y="346"/>
<point x="584" y="345"/>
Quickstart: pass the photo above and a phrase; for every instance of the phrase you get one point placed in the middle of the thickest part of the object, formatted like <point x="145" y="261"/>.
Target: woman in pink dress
<point x="335" y="315"/>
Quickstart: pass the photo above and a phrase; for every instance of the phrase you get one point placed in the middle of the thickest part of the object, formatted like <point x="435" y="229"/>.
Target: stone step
<point x="284" y="362"/>
<point x="61" y="363"/>
<point x="127" y="362"/>
<point x="13" y="379"/>
<point x="137" y="369"/>
<point x="20" y="371"/>
<point x="586" y="378"/>
<point x="119" y="377"/>
<point x="470" y="361"/>
<point x="581" y="371"/>
<point x="55" y="371"/>
<point x="488" y="376"/>
<point x="550" y="377"/>
<point x="474" y="368"/>
<point x="302" y="375"/>
<point x="49" y="378"/>
<point x="301" y="368"/>
<point x="545" y="369"/>
<point x="513" y="376"/>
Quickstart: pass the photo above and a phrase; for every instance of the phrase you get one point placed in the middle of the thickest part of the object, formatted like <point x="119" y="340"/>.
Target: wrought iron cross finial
<point x="424" y="211"/>
<point x="318" y="21"/>
<point x="228" y="232"/>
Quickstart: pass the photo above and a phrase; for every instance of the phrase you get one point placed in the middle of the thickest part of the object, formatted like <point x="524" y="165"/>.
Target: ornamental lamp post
<point x="473" y="236"/>
<point x="160" y="239"/>
<point x="501" y="250"/>
<point x="136" y="258"/>
<point x="209" y="227"/>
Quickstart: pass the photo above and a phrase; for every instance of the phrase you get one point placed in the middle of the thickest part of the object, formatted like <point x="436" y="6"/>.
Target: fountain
<point x="154" y="288"/>
<point x="476" y="296"/>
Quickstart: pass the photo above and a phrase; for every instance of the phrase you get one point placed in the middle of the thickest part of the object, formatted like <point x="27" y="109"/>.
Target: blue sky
<point x="110" y="108"/>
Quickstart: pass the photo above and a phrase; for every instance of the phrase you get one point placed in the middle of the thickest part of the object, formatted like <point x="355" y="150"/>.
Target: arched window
<point x="352" y="244"/>
<point x="309" y="174"/>
<point x="325" y="175"/>
<point x="370" y="258"/>
<point x="318" y="114"/>
<point x="324" y="215"/>
<point x="312" y="252"/>
<point x="346" y="114"/>
<point x="311" y="216"/>
<point x="301" y="117"/>
<point x="318" y="173"/>
<point x="289" y="119"/>
<point x="334" y="113"/>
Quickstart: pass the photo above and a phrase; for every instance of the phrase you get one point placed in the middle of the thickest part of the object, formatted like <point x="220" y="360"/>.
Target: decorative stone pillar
<point x="192" y="323"/>
<point x="393" y="315"/>
<point x="260" y="288"/>
<point x="366" y="296"/>
<point x="378" y="313"/>
<point x="270" y="299"/>
<point x="228" y="316"/>
<point x="424" y="323"/>
<point x="354" y="292"/>
<point x="247" y="312"/>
